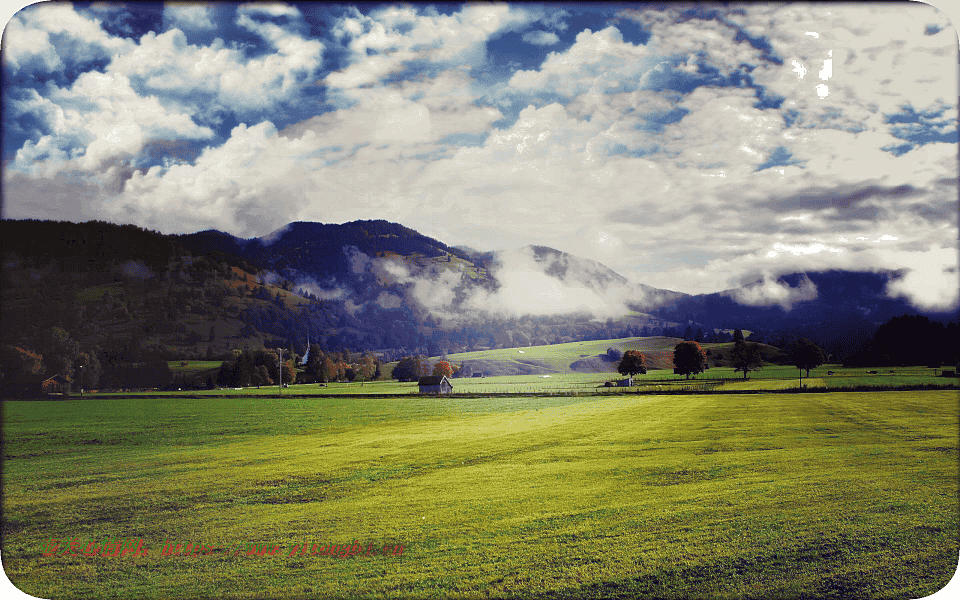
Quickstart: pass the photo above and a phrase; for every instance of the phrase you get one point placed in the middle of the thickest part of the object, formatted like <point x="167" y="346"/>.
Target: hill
<point x="130" y="296"/>
<point x="368" y="285"/>
<point x="586" y="357"/>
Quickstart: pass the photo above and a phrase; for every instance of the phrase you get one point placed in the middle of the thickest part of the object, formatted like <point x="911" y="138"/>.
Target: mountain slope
<point x="374" y="285"/>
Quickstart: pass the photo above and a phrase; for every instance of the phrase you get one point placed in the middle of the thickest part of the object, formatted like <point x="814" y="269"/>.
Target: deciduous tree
<point x="746" y="357"/>
<point x="689" y="358"/>
<point x="806" y="355"/>
<point x="632" y="363"/>
<point x="443" y="368"/>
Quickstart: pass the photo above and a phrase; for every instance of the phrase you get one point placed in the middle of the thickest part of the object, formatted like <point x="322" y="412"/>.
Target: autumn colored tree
<point x="443" y="368"/>
<point x="689" y="358"/>
<point x="17" y="362"/>
<point x="367" y="367"/>
<point x="328" y="369"/>
<point x="289" y="372"/>
<point x="632" y="363"/>
<point x="746" y="357"/>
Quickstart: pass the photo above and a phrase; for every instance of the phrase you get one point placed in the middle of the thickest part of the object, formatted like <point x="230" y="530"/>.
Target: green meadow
<point x="817" y="495"/>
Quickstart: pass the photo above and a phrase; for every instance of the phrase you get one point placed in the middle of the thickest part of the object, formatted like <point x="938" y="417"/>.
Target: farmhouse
<point x="55" y="385"/>
<point x="435" y="384"/>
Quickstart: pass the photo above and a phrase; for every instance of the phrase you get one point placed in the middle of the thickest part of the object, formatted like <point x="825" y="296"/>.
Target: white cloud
<point x="386" y="40"/>
<point x="192" y="75"/>
<point x="932" y="280"/>
<point x="188" y="17"/>
<point x="768" y="292"/>
<point x="27" y="41"/>
<point x="99" y="118"/>
<point x="599" y="61"/>
<point x="541" y="38"/>
<point x="615" y="166"/>
<point x="252" y="183"/>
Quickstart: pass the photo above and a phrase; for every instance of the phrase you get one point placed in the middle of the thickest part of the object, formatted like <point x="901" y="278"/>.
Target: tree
<point x="88" y="370"/>
<point x="328" y="369"/>
<point x="738" y="336"/>
<point x="59" y="351"/>
<point x="289" y="372"/>
<point x="443" y="368"/>
<point x="746" y="357"/>
<point x="689" y="358"/>
<point x="367" y="367"/>
<point x="17" y="362"/>
<point x="806" y="355"/>
<point x="411" y="367"/>
<point x="407" y="369"/>
<point x="632" y="363"/>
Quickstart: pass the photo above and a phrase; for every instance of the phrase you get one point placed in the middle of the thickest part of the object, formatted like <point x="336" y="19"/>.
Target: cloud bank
<point x="685" y="146"/>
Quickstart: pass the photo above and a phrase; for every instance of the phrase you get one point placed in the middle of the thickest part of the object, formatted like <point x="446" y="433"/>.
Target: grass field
<point x="571" y="357"/>
<point x="817" y="495"/>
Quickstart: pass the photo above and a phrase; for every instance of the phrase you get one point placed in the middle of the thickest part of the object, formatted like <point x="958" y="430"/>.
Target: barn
<point x="55" y="385"/>
<point x="435" y="384"/>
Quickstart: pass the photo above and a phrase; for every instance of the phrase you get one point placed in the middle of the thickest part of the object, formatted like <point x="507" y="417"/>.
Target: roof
<point x="58" y="379"/>
<point x="433" y="380"/>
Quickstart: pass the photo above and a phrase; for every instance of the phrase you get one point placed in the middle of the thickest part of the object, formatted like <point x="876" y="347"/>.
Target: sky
<point x="691" y="147"/>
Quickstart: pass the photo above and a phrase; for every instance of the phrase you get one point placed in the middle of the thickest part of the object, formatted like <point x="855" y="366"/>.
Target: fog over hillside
<point x="528" y="281"/>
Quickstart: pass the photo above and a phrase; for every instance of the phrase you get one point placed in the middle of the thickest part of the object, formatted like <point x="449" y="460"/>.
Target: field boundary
<point x="706" y="390"/>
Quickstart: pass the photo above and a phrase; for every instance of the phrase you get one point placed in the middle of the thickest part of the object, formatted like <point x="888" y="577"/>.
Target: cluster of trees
<point x="340" y="365"/>
<point x="689" y="358"/>
<point x="255" y="367"/>
<point x="410" y="368"/>
<point x="910" y="340"/>
<point x="54" y="352"/>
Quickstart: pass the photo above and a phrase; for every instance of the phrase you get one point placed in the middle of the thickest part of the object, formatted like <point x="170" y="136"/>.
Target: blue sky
<point x="689" y="147"/>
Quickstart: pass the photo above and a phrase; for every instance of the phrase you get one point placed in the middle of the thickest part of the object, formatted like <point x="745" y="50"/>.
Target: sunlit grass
<point x="754" y="495"/>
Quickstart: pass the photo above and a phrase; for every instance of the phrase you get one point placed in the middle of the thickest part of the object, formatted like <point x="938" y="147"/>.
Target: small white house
<point x="435" y="384"/>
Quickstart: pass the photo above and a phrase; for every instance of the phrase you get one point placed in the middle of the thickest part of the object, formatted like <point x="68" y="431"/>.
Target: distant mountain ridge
<point x="328" y="255"/>
<point x="380" y="286"/>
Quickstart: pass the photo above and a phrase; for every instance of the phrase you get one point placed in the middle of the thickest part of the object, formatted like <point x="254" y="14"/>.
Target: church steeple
<point x="306" y="355"/>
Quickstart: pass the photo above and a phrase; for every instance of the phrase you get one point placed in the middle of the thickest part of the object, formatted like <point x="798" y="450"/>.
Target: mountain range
<point x="380" y="286"/>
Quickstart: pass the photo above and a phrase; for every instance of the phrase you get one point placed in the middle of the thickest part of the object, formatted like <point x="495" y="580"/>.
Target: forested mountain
<point x="128" y="298"/>
<point x="131" y="294"/>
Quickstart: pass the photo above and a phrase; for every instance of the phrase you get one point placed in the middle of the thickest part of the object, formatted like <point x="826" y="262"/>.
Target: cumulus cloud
<point x="188" y="17"/>
<point x="541" y="38"/>
<point x="684" y="161"/>
<point x="600" y="60"/>
<point x="97" y="119"/>
<point x="47" y="37"/>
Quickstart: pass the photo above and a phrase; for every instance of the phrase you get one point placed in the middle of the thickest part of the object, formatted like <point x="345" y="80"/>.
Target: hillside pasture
<point x="571" y="357"/>
<point x="735" y="495"/>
